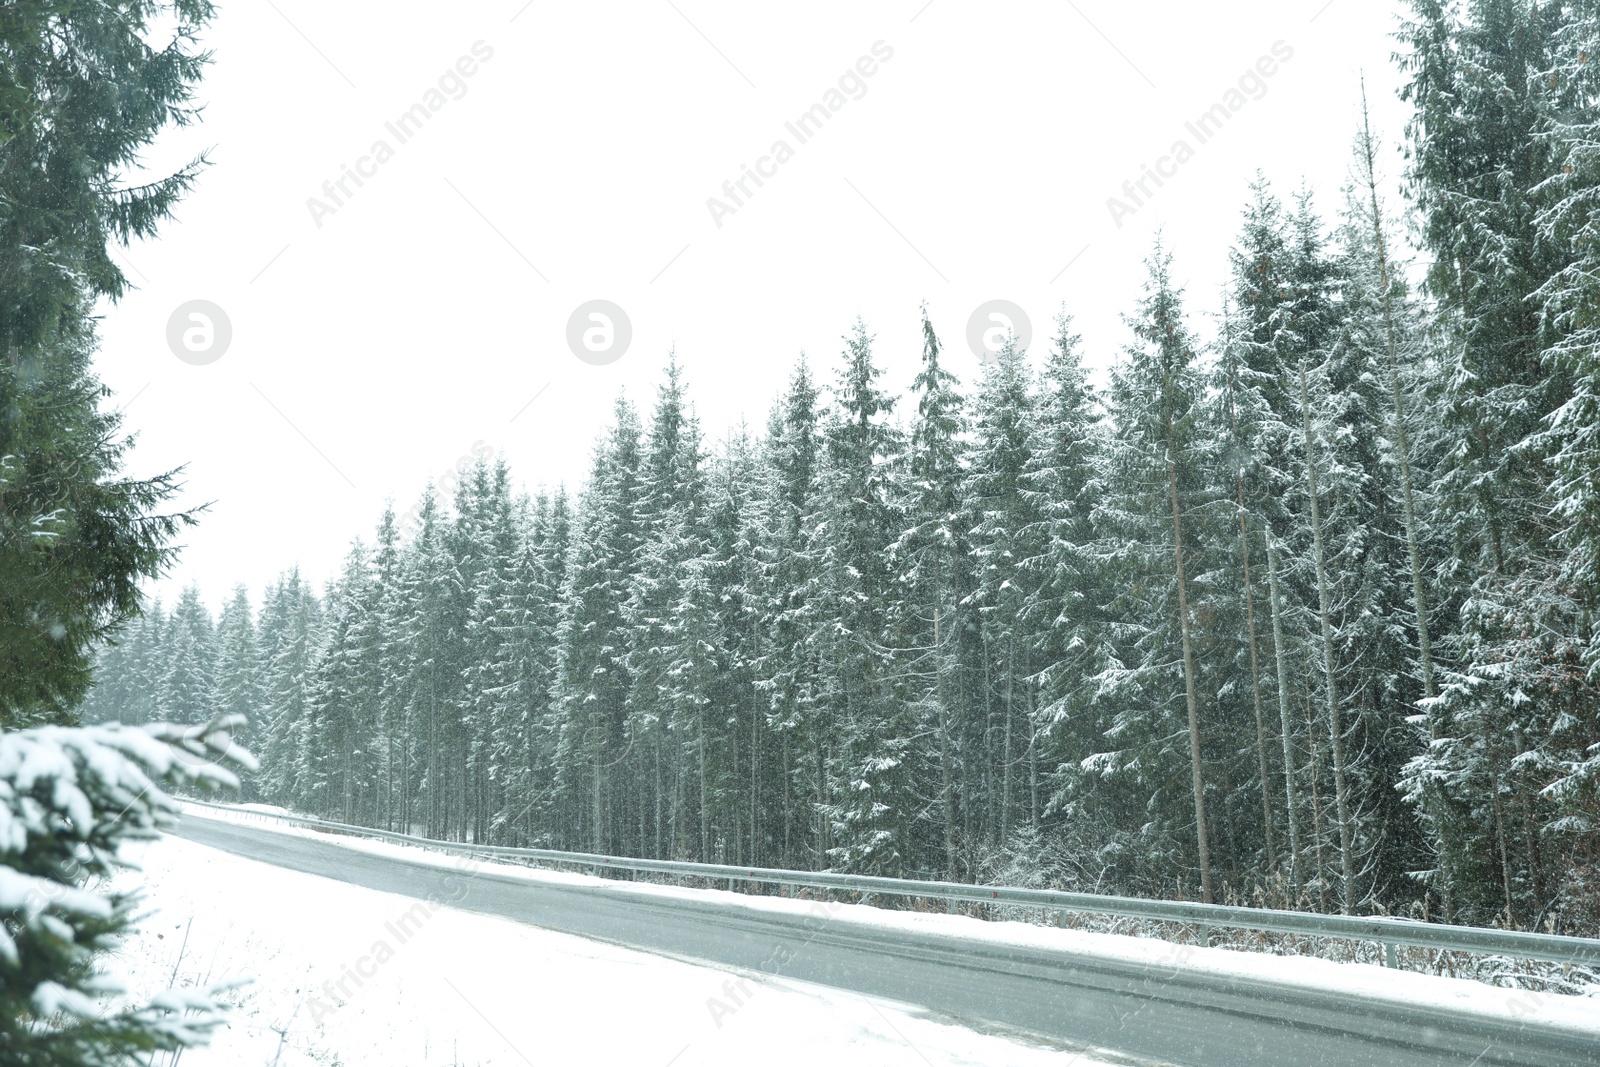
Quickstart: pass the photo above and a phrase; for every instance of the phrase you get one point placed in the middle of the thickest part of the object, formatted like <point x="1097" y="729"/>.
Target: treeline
<point x="1304" y="614"/>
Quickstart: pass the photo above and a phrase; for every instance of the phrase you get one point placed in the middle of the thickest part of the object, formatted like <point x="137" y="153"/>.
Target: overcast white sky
<point x="374" y="346"/>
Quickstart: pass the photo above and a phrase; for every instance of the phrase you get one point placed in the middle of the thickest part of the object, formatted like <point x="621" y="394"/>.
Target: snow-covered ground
<point x="1350" y="979"/>
<point x="359" y="978"/>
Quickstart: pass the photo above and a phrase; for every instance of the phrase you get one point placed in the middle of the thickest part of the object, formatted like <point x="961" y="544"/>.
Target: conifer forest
<point x="1291" y="600"/>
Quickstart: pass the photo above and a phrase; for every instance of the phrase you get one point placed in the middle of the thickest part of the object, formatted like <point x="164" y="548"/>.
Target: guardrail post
<point x="1389" y="959"/>
<point x="1204" y="933"/>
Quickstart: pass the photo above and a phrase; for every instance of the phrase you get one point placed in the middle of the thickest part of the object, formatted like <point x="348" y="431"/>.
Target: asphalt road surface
<point x="1149" y="1014"/>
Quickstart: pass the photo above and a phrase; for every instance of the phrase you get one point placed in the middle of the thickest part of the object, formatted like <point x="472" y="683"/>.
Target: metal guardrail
<point x="1387" y="931"/>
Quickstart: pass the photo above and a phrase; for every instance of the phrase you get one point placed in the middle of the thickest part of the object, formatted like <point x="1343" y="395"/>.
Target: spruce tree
<point x="238" y="659"/>
<point x="1566" y="661"/>
<point x="1482" y="163"/>
<point x="1158" y="480"/>
<point x="1064" y="573"/>
<point x="85" y="89"/>
<point x="186" y="690"/>
<point x="670" y="727"/>
<point x="865" y="733"/>
<point x="931" y="560"/>
<point x="790" y="612"/>
<point x="593" y="683"/>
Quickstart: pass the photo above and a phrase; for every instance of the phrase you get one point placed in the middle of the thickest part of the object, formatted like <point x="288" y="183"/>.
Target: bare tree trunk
<point x="946" y="793"/>
<point x="705" y="814"/>
<point x="387" y="821"/>
<point x="822" y="799"/>
<point x="1530" y="835"/>
<point x="405" y="782"/>
<point x="598" y="845"/>
<point x="788" y="805"/>
<point x="1202" y="837"/>
<point x="755" y="767"/>
<point x="1530" y="841"/>
<point x="755" y="782"/>
<point x="1505" y="852"/>
<point x="677" y="834"/>
<point x="642" y="758"/>
<point x="735" y="832"/>
<point x="1007" y="765"/>
<point x="991" y="792"/>
<point x="1267" y="831"/>
<point x="1283" y="715"/>
<point x="1325" y="613"/>
<point x="1033" y="759"/>
<point x="1403" y="446"/>
<point x="346" y="758"/>
<point x="1316" y="808"/>
<point x="435" y="820"/>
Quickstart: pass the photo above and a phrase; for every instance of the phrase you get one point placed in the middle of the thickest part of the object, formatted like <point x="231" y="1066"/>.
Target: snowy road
<point x="343" y="976"/>
<point x="1161" y="1011"/>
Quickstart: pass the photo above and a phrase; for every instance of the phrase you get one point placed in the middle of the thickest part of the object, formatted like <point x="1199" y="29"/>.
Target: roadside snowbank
<point x="1354" y="979"/>
<point x="352" y="976"/>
